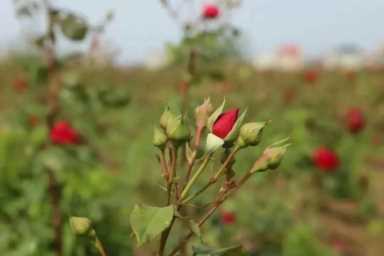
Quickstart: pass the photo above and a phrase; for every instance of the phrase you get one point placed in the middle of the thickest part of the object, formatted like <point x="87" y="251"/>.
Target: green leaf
<point x="228" y="251"/>
<point x="148" y="222"/>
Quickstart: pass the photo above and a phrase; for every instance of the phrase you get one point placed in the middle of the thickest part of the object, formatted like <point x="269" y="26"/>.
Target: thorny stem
<point x="198" y="133"/>
<point x="163" y="165"/>
<point x="57" y="222"/>
<point x="225" y="164"/>
<point x="190" y="167"/>
<point x="214" y="179"/>
<point x="201" y="222"/>
<point x="194" y="178"/>
<point x="222" y="197"/>
<point x="164" y="237"/>
<point x="171" y="170"/>
<point x="100" y="248"/>
<point x="53" y="102"/>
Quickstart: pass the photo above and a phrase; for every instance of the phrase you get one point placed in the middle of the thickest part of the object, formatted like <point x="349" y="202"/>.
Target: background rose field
<point x="326" y="198"/>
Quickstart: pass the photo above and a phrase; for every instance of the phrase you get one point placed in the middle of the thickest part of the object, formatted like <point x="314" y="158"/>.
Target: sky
<point x="142" y="27"/>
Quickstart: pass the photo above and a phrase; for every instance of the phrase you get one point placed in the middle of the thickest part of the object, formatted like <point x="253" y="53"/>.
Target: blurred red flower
<point x="225" y="122"/>
<point x="210" y="11"/>
<point x="325" y="159"/>
<point x="355" y="120"/>
<point x="62" y="133"/>
<point x="311" y="76"/>
<point x="227" y="218"/>
<point x="19" y="85"/>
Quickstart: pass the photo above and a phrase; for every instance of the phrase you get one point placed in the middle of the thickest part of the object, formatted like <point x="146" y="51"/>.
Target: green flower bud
<point x="250" y="134"/>
<point x="202" y="113"/>
<point x="270" y="159"/>
<point x="275" y="156"/>
<point x="159" y="137"/>
<point x="80" y="225"/>
<point x="213" y="143"/>
<point x="177" y="130"/>
<point x="166" y="117"/>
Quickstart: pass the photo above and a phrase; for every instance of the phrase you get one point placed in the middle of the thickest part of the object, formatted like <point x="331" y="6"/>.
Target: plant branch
<point x="194" y="178"/>
<point x="215" y="178"/>
<point x="100" y="248"/>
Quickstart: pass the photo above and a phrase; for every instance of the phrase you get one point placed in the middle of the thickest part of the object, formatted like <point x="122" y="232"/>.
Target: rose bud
<point x="80" y="226"/>
<point x="311" y="76"/>
<point x="250" y="134"/>
<point x="166" y="117"/>
<point x="270" y="158"/>
<point x="19" y="85"/>
<point x="202" y="113"/>
<point x="325" y="159"/>
<point x="355" y="120"/>
<point x="177" y="130"/>
<point x="159" y="138"/>
<point x="62" y="133"/>
<point x="227" y="218"/>
<point x="210" y="11"/>
<point x="225" y="123"/>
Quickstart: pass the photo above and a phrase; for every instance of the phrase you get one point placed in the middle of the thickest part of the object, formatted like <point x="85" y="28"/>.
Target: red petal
<point x="225" y="122"/>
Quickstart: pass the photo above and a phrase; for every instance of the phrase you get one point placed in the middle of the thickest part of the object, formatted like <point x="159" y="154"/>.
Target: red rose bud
<point x="62" y="133"/>
<point x="325" y="159"/>
<point x="228" y="218"/>
<point x="224" y="123"/>
<point x="210" y="11"/>
<point x="355" y="120"/>
<point x="311" y="76"/>
<point x="19" y="85"/>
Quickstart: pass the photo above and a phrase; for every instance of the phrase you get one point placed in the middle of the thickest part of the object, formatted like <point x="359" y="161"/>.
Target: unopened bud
<point x="166" y="117"/>
<point x="270" y="159"/>
<point x="275" y="156"/>
<point x="159" y="137"/>
<point x="80" y="225"/>
<point x="202" y="113"/>
<point x="250" y="134"/>
<point x="177" y="130"/>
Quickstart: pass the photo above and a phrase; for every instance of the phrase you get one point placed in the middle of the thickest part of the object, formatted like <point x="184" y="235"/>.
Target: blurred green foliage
<point x="285" y="213"/>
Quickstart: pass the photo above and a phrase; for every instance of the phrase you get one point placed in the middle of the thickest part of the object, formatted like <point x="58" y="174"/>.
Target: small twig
<point x="100" y="248"/>
<point x="215" y="178"/>
<point x="57" y="222"/>
<point x="194" y="178"/>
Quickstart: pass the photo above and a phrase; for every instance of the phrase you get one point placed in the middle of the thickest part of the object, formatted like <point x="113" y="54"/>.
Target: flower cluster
<point x="215" y="132"/>
<point x="218" y="133"/>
